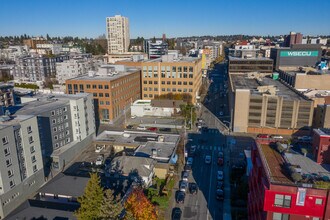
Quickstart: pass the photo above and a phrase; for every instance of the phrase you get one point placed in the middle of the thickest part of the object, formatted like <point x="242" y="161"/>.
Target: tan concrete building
<point x="114" y="89"/>
<point x="166" y="75"/>
<point x="265" y="105"/>
<point x="322" y="116"/>
<point x="117" y="34"/>
<point x="306" y="78"/>
<point x="32" y="43"/>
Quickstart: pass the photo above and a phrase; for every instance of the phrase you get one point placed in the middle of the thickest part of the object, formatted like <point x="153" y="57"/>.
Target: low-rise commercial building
<point x="159" y="108"/>
<point x="114" y="89"/>
<point x="245" y="65"/>
<point x="286" y="185"/>
<point x="298" y="55"/>
<point x="265" y="105"/>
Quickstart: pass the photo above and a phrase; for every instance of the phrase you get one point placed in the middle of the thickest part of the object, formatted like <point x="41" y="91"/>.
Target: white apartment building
<point x="47" y="48"/>
<point x="72" y="68"/>
<point x="117" y="34"/>
<point x="21" y="163"/>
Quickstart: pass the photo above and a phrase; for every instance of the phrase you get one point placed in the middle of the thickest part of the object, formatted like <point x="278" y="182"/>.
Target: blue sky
<point x="148" y="18"/>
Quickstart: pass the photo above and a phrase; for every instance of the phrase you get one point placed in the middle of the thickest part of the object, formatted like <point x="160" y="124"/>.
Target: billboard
<point x="299" y="53"/>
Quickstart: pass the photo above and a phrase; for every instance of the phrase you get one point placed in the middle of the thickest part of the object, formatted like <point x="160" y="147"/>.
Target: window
<point x="94" y="86"/>
<point x="100" y="94"/>
<point x="10" y="173"/>
<point x="65" y="109"/>
<point x="150" y="82"/>
<point x="180" y="83"/>
<point x="100" y="87"/>
<point x="7" y="151"/>
<point x="33" y="159"/>
<point x="65" y="117"/>
<point x="55" y="129"/>
<point x="67" y="132"/>
<point x="282" y="201"/>
<point x="184" y="83"/>
<point x="8" y="162"/>
<point x="163" y="89"/>
<point x="145" y="95"/>
<point x="5" y="140"/>
<point x="29" y="129"/>
<point x="54" y="121"/>
<point x="94" y="94"/>
<point x="32" y="149"/>
<point x="88" y="86"/>
<point x="168" y="82"/>
<point x="30" y="139"/>
<point x="145" y="89"/>
<point x="106" y="86"/>
<point x="53" y="113"/>
<point x="107" y="103"/>
<point x="190" y="83"/>
<point x="12" y="183"/>
<point x="280" y="216"/>
<point x="163" y="82"/>
<point x="35" y="168"/>
<point x="56" y="145"/>
<point x="101" y="102"/>
<point x="145" y="82"/>
<point x="318" y="201"/>
<point x="55" y="137"/>
<point x="106" y="94"/>
<point x="150" y="95"/>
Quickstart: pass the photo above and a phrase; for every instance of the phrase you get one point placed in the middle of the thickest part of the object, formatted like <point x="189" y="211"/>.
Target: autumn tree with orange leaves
<point x="140" y="207"/>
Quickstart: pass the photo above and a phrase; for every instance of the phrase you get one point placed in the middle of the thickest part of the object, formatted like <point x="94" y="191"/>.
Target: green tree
<point x="111" y="206"/>
<point x="91" y="200"/>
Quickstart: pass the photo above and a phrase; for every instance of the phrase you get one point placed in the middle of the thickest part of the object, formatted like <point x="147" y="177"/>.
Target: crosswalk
<point x="211" y="148"/>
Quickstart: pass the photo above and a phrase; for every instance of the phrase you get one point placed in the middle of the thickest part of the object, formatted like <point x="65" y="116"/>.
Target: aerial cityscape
<point x="169" y="110"/>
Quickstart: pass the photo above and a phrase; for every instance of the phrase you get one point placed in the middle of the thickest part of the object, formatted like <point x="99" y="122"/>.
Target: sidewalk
<point x="226" y="171"/>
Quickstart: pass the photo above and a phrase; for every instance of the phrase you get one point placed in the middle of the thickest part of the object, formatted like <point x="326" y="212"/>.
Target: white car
<point x="141" y="128"/>
<point x="99" y="148"/>
<point x="190" y="161"/>
<point x="99" y="160"/>
<point x="277" y="137"/>
<point x="220" y="175"/>
<point x="208" y="159"/>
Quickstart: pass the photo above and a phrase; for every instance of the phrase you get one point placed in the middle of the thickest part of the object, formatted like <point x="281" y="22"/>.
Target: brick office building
<point x="114" y="88"/>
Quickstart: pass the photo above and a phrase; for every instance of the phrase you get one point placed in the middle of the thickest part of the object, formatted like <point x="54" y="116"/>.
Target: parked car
<point x="183" y="186"/>
<point x="185" y="175"/>
<point x="219" y="194"/>
<point x="99" y="160"/>
<point x="99" y="148"/>
<point x="129" y="126"/>
<point x="141" y="128"/>
<point x="187" y="168"/>
<point x="262" y="136"/>
<point x="219" y="175"/>
<point x="219" y="184"/>
<point x="152" y="129"/>
<point x="208" y="159"/>
<point x="192" y="149"/>
<point x="193" y="188"/>
<point x="220" y="161"/>
<point x="220" y="154"/>
<point x="165" y="129"/>
<point x="176" y="213"/>
<point x="180" y="196"/>
<point x="190" y="161"/>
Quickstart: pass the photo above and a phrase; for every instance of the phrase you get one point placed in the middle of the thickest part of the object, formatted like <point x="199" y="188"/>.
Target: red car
<point x="263" y="136"/>
<point x="220" y="161"/>
<point x="152" y="129"/>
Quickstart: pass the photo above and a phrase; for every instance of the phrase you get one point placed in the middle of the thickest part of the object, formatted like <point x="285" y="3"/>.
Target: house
<point x="133" y="168"/>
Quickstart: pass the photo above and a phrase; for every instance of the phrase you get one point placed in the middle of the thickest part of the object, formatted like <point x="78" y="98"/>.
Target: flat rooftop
<point x="44" y="103"/>
<point x="243" y="82"/>
<point x="109" y="78"/>
<point x="322" y="131"/>
<point x="135" y="137"/>
<point x="156" y="150"/>
<point x="303" y="71"/>
<point x="277" y="166"/>
<point x="6" y="121"/>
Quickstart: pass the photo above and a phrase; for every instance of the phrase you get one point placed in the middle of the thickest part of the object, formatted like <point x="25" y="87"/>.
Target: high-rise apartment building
<point x="118" y="34"/>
